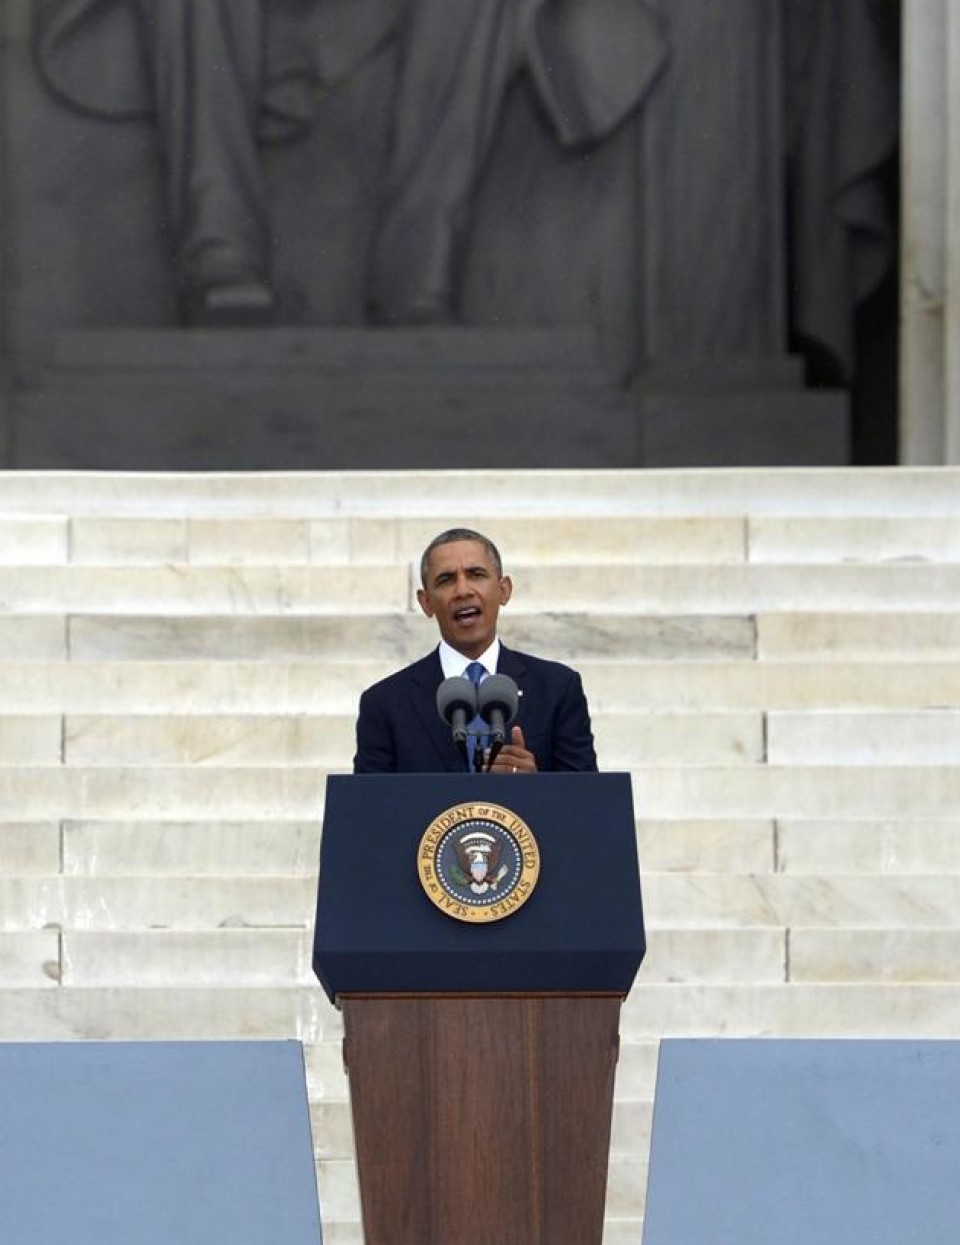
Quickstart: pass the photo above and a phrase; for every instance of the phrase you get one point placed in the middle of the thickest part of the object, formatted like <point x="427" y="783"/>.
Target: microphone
<point x="497" y="701"/>
<point x="457" y="705"/>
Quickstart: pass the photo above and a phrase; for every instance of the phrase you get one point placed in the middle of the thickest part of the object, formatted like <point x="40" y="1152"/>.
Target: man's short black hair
<point x="459" y="533"/>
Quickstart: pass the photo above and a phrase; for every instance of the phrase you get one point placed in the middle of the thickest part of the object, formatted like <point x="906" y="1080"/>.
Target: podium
<point x="479" y="933"/>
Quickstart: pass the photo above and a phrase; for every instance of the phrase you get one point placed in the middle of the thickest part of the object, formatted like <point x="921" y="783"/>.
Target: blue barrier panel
<point x="156" y="1143"/>
<point x="850" y="1142"/>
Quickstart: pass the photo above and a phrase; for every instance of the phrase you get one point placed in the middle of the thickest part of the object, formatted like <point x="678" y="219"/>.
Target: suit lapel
<point x="512" y="663"/>
<point x="425" y="677"/>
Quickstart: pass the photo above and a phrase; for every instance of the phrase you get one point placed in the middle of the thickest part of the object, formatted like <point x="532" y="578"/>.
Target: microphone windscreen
<point x="498" y="692"/>
<point x="456" y="693"/>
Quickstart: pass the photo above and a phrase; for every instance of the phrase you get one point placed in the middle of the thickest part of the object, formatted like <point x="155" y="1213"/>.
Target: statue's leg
<point x="456" y="61"/>
<point x="205" y="58"/>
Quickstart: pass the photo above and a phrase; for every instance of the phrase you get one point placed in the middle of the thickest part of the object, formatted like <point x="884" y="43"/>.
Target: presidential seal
<point x="478" y="862"/>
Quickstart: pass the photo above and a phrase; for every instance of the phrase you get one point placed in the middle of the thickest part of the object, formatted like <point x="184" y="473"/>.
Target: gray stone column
<point x="930" y="300"/>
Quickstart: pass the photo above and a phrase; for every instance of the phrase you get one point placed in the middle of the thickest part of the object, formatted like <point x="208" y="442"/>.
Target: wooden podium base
<point x="482" y="1119"/>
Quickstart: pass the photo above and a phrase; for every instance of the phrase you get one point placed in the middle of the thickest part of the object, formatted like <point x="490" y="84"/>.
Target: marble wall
<point x="930" y="401"/>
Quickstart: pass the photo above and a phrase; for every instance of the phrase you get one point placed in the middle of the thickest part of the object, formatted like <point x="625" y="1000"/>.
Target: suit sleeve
<point x="573" y="747"/>
<point x="376" y="748"/>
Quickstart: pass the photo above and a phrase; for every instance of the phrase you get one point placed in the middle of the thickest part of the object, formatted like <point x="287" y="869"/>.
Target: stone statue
<point x="219" y="75"/>
<point x="216" y="76"/>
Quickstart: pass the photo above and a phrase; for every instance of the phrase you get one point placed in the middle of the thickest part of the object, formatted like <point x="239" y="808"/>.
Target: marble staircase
<point x="773" y="655"/>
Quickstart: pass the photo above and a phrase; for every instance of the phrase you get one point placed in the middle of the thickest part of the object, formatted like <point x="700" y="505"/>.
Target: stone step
<point x="870" y="846"/>
<point x="260" y="958"/>
<point x="29" y="847"/>
<point x="916" y="1010"/>
<point x="887" y="955"/>
<point x="328" y="741"/>
<point x="290" y="848"/>
<point x="800" y="540"/>
<point x="354" y="590"/>
<point x="740" y="374"/>
<point x="356" y="422"/>
<point x="327" y="688"/>
<point x="274" y="1013"/>
<point x="157" y="958"/>
<point x="801" y="1010"/>
<point x="267" y="848"/>
<point x="183" y="589"/>
<point x="686" y="904"/>
<point x="928" y="737"/>
<point x="389" y="639"/>
<point x="352" y="350"/>
<point x="775" y="427"/>
<point x="708" y="737"/>
<point x="707" y="846"/>
<point x="809" y="792"/>
<point x="857" y="634"/>
<point x="546" y="540"/>
<point x="684" y="792"/>
<point x="123" y="540"/>
<point x="205" y="848"/>
<point x="111" y="904"/>
<point x="333" y="392"/>
<point x="29" y="959"/>
<point x="395" y="495"/>
<point x="838" y="901"/>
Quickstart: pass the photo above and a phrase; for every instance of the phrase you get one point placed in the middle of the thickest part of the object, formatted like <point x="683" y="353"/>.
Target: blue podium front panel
<point x="850" y="1142"/>
<point x="156" y="1143"/>
<point x="376" y="931"/>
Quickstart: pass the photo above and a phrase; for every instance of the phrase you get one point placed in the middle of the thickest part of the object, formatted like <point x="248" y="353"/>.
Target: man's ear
<point x="424" y="601"/>
<point x="506" y="589"/>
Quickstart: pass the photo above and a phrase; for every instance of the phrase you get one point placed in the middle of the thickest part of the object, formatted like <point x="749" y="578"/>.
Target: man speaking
<point x="399" y="728"/>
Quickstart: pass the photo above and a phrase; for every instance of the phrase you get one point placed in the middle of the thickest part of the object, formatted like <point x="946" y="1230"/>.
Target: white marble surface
<point x="147" y="958"/>
<point x="831" y="1010"/>
<point x="439" y="494"/>
<point x="183" y="589"/>
<point x="796" y="791"/>
<point x="711" y="955"/>
<point x="617" y="684"/>
<point x="725" y="901"/>
<point x="33" y="637"/>
<point x="885" y="955"/>
<point x="30" y="958"/>
<point x="34" y="739"/>
<point x="870" y="846"/>
<point x="921" y="737"/>
<point x="163" y="1014"/>
<point x="37" y="540"/>
<point x="156" y="903"/>
<point x="882" y="633"/>
<point x="178" y="793"/>
<point x="324" y="590"/>
<point x="204" y="848"/>
<point x="850" y="539"/>
<point x="332" y="541"/>
<point x="29" y="847"/>
<point x="677" y="845"/>
<point x="391" y="639"/>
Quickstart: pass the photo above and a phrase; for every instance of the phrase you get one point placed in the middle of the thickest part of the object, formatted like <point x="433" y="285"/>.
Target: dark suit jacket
<point x="400" y="731"/>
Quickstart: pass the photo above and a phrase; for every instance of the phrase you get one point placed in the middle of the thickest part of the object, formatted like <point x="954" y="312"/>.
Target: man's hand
<point x="514" y="758"/>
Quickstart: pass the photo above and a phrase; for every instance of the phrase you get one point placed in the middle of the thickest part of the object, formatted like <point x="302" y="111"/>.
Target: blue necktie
<point x="474" y="672"/>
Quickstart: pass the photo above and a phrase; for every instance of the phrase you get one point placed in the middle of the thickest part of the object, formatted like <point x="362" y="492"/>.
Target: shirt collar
<point x="455" y="664"/>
